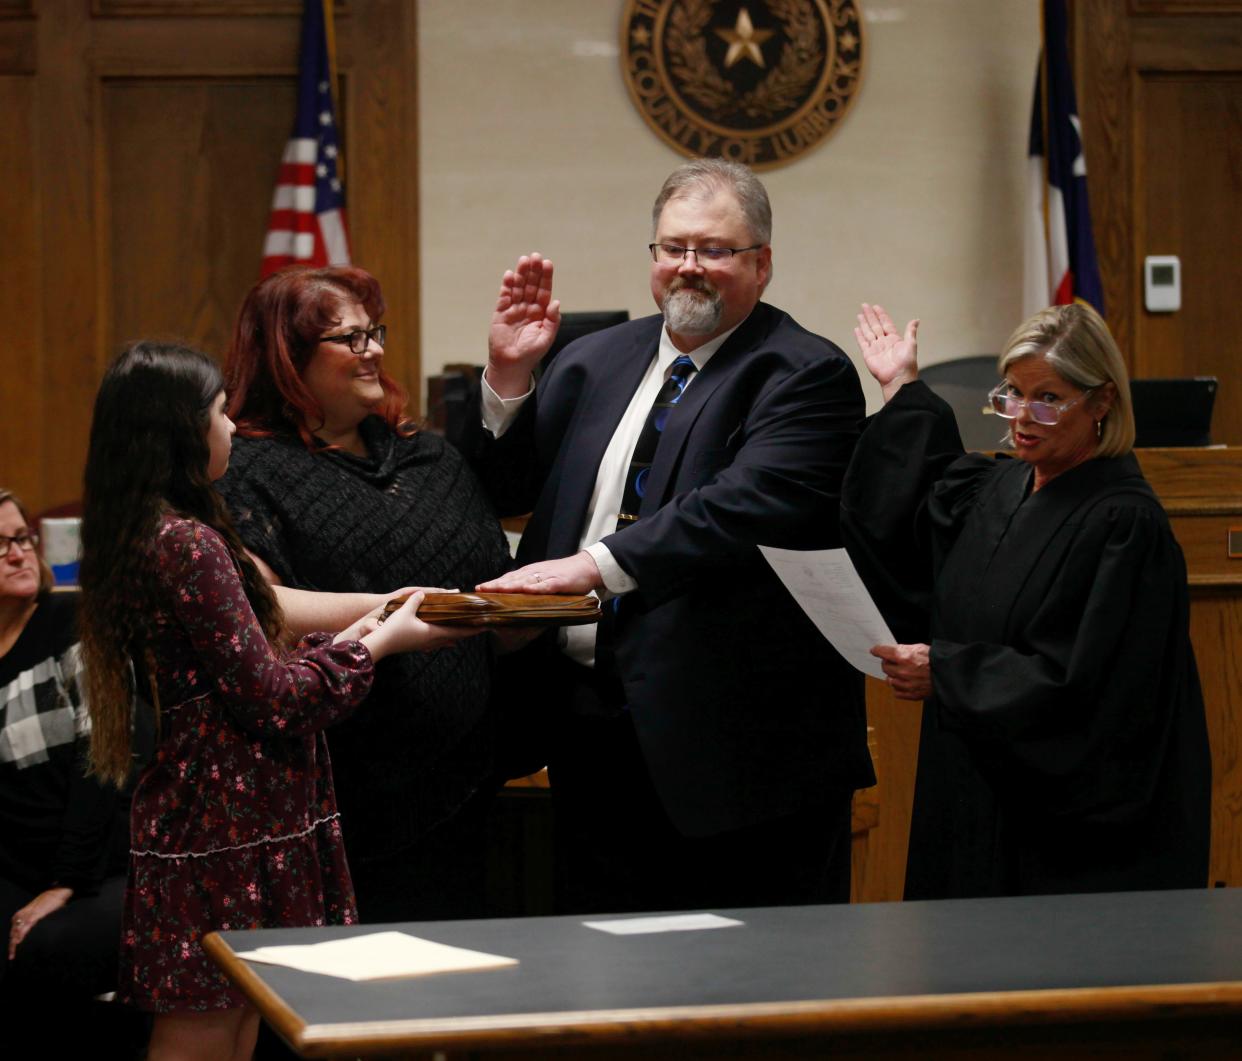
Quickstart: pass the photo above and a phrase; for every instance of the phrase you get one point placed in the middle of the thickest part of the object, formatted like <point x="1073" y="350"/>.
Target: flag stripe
<point x="336" y="243"/>
<point x="307" y="222"/>
<point x="294" y="197"/>
<point x="1060" y="261"/>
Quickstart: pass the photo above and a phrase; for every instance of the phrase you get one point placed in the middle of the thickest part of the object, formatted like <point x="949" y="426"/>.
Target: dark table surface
<point x="785" y="955"/>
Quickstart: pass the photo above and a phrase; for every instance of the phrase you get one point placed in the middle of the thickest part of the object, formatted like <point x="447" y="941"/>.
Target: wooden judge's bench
<point x="1201" y="490"/>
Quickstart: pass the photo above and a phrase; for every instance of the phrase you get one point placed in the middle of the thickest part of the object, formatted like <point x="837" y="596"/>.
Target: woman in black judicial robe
<point x="1042" y="603"/>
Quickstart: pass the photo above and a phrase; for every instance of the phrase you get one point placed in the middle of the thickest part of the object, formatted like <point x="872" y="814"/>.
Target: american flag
<point x="1061" y="265"/>
<point x="307" y="223"/>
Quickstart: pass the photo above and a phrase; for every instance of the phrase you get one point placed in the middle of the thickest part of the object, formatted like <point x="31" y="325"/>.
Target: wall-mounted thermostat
<point x="1162" y="283"/>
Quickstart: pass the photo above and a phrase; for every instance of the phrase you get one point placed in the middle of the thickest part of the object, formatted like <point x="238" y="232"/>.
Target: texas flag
<point x="307" y="222"/>
<point x="1060" y="251"/>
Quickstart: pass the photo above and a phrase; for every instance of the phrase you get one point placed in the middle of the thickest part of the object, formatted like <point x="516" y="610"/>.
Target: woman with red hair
<point x="332" y="488"/>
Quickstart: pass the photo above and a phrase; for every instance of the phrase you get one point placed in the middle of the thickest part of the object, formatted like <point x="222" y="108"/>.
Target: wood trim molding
<point x="180" y="9"/>
<point x="1176" y="8"/>
<point x="142" y="49"/>
<point x="1189" y="506"/>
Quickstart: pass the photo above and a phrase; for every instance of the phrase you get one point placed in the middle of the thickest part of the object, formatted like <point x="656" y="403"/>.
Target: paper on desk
<point x="828" y="587"/>
<point x="633" y="926"/>
<point x="377" y="955"/>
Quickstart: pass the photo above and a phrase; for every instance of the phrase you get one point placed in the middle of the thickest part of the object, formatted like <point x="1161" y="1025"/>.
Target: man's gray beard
<point x="691" y="311"/>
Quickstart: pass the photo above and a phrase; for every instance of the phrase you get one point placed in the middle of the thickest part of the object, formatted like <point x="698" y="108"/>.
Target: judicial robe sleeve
<point x="909" y="456"/>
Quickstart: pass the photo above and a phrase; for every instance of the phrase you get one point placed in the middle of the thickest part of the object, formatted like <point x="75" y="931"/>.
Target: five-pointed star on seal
<point x="744" y="40"/>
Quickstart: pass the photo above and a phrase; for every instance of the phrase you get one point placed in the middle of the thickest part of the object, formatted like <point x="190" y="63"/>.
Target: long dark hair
<point x="148" y="455"/>
<point x="277" y="332"/>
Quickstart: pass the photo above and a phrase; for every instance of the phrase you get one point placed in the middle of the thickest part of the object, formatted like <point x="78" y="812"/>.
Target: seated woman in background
<point x="234" y="822"/>
<point x="63" y="835"/>
<point x="331" y="488"/>
<point x="1043" y="603"/>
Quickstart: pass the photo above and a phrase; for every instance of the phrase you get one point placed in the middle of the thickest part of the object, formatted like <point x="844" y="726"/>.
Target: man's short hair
<point x="713" y="174"/>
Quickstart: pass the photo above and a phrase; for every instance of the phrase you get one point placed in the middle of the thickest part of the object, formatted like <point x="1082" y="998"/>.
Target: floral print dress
<point x="234" y="824"/>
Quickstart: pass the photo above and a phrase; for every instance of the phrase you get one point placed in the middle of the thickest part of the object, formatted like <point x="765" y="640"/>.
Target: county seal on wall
<point x="757" y="81"/>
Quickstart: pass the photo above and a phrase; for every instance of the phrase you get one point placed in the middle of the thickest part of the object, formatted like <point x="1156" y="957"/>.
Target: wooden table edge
<point x="273" y="1008"/>
<point x="847" y="1016"/>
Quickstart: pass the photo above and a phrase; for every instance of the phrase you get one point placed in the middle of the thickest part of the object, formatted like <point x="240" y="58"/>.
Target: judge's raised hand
<point x="907" y="668"/>
<point x="890" y="357"/>
<point x="524" y="324"/>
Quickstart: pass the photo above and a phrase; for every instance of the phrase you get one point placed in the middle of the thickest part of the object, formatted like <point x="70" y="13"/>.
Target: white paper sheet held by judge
<point x="378" y="955"/>
<point x="828" y="587"/>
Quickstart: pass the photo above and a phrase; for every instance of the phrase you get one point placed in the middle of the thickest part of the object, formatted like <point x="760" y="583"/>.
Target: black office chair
<point x="449" y="393"/>
<point x="964" y="383"/>
<point x="576" y="324"/>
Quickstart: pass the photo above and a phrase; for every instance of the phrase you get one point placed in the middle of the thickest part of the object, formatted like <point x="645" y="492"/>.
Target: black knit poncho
<point x="411" y="513"/>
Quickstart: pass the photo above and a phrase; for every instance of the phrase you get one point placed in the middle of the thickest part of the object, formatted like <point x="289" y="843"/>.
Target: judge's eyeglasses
<point x="1010" y="406"/>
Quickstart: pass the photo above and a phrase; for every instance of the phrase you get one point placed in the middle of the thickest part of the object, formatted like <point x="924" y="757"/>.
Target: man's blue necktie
<point x="645" y="449"/>
<point x="635" y="486"/>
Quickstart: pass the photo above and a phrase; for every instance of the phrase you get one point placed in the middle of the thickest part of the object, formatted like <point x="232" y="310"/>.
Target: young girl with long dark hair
<point x="234" y="824"/>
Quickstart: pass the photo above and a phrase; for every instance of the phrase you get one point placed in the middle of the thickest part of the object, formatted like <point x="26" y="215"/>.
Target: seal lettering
<point x="759" y="81"/>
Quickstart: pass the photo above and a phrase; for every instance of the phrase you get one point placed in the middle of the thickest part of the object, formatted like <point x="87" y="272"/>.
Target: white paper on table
<point x="378" y="955"/>
<point x="634" y="926"/>
<point x="829" y="589"/>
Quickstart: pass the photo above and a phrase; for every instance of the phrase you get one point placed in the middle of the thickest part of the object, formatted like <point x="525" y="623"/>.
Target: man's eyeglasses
<point x="25" y="542"/>
<point x="672" y="253"/>
<point x="359" y="339"/>
<point x="1047" y="413"/>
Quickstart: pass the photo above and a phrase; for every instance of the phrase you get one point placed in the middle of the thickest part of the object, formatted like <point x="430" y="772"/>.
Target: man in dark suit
<point x="707" y="741"/>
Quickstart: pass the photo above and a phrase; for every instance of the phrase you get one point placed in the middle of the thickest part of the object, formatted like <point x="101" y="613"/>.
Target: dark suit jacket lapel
<point x="613" y="381"/>
<point x="739" y="346"/>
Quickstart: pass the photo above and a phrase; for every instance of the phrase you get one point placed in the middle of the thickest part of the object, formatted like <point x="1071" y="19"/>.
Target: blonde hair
<point x="46" y="579"/>
<point x="1077" y="344"/>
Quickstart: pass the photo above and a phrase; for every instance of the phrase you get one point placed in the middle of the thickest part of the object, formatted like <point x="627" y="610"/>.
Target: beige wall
<point x="529" y="141"/>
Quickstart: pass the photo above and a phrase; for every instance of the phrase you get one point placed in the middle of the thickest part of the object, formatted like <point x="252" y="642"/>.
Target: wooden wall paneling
<point x="18" y="46"/>
<point x="1201" y="489"/>
<point x="1216" y="630"/>
<point x="23" y="401"/>
<point x="1195" y="212"/>
<point x="1102" y="75"/>
<point x="153" y="130"/>
<point x="198" y="47"/>
<point x="381" y="158"/>
<point x="190" y="170"/>
<point x="1188" y="44"/>
<point x="194" y="8"/>
<point x="1145" y="70"/>
<point x="1186" y="7"/>
<point x="879" y="869"/>
<point x="65" y="174"/>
